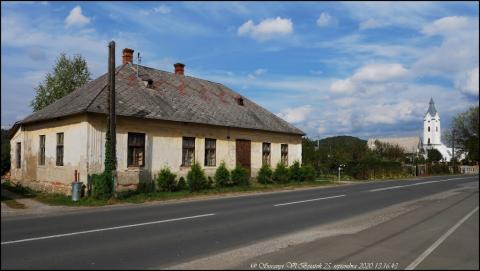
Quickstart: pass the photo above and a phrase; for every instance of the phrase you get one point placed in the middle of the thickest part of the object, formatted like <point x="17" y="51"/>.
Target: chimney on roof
<point x="179" y="68"/>
<point x="127" y="55"/>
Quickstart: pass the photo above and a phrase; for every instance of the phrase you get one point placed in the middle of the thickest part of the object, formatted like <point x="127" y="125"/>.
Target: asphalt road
<point x="166" y="235"/>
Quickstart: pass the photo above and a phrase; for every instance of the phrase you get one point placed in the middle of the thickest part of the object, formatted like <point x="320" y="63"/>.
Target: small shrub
<point x="264" y="175"/>
<point x="102" y="185"/>
<point x="240" y="176"/>
<point x="196" y="178"/>
<point x="295" y="173"/>
<point x="280" y="175"/>
<point x="166" y="181"/>
<point x="182" y="185"/>
<point x="209" y="182"/>
<point x="222" y="176"/>
<point x="308" y="173"/>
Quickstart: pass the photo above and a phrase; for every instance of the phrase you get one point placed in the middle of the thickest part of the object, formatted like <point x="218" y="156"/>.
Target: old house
<point x="163" y="119"/>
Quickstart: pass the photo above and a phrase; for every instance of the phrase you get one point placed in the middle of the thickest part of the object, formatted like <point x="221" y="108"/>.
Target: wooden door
<point x="244" y="154"/>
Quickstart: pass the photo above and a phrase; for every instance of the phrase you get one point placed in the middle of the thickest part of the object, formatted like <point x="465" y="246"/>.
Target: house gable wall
<point x="50" y="177"/>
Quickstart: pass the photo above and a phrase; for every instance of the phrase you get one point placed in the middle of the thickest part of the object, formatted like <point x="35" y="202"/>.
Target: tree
<point x="68" y="75"/>
<point x="434" y="155"/>
<point x="465" y="127"/>
<point x="389" y="151"/>
<point x="5" y="162"/>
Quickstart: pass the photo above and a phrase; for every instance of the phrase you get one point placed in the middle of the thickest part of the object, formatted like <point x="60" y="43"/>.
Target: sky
<point x="365" y="69"/>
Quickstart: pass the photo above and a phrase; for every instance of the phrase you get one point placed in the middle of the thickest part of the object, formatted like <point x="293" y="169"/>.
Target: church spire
<point x="431" y="108"/>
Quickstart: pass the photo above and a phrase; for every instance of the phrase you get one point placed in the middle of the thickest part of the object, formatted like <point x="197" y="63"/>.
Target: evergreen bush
<point x="209" y="182"/>
<point x="102" y="185"/>
<point x="295" y="173"/>
<point x="308" y="173"/>
<point x="265" y="175"/>
<point x="240" y="176"/>
<point x="166" y="180"/>
<point x="196" y="178"/>
<point x="280" y="175"/>
<point x="222" y="176"/>
<point x="182" y="185"/>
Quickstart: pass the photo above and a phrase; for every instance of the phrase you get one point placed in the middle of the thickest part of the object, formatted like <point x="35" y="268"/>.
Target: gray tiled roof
<point x="431" y="108"/>
<point x="408" y="144"/>
<point x="173" y="97"/>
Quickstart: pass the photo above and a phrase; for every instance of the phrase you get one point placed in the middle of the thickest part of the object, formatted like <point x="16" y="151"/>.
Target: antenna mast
<point x="139" y="60"/>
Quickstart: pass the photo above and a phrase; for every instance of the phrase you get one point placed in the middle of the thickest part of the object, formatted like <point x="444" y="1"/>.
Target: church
<point x="432" y="132"/>
<point x="431" y="137"/>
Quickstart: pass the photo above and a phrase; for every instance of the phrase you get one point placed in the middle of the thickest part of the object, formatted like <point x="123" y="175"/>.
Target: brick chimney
<point x="179" y="68"/>
<point x="127" y="55"/>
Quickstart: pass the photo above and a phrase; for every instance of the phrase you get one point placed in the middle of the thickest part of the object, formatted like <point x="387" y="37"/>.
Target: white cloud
<point x="76" y="18"/>
<point x="324" y="19"/>
<point x="295" y="115"/>
<point x="468" y="83"/>
<point x="342" y="86"/>
<point x="371" y="24"/>
<point x="380" y="72"/>
<point x="375" y="14"/>
<point x="344" y="102"/>
<point x="456" y="56"/>
<point x="162" y="9"/>
<point x="260" y="71"/>
<point x="364" y="77"/>
<point x="447" y="25"/>
<point x="266" y="29"/>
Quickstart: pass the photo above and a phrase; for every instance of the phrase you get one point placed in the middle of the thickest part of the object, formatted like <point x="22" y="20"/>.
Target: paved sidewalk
<point x="32" y="206"/>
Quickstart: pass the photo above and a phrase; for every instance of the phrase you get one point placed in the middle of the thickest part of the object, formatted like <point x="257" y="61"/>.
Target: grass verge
<point x="12" y="203"/>
<point x="140" y="197"/>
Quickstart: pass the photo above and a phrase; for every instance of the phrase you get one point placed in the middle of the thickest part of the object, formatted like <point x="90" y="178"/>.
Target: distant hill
<point x="342" y="142"/>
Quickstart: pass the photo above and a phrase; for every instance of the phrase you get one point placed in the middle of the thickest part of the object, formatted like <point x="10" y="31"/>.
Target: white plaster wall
<point x="163" y="145"/>
<point x="17" y="173"/>
<point x="75" y="151"/>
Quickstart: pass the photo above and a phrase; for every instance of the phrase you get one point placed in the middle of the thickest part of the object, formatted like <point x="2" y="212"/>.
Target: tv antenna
<point x="139" y="60"/>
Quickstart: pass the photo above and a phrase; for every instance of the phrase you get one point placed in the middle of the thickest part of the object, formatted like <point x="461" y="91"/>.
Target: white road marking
<point x="294" y="202"/>
<point x="401" y="186"/>
<point x="104" y="229"/>
<point x="442" y="238"/>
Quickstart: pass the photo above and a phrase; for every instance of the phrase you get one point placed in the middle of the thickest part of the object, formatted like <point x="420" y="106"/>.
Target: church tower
<point x="431" y="126"/>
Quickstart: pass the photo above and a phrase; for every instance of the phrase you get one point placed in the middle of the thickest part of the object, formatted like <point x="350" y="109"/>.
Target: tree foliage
<point x="68" y="74"/>
<point x="433" y="155"/>
<point x="5" y="155"/>
<point x="465" y="127"/>
<point x="389" y="151"/>
<point x="326" y="154"/>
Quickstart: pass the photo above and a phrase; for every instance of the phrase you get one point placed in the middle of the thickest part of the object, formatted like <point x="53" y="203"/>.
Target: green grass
<point x="62" y="200"/>
<point x="12" y="203"/>
<point x="139" y="197"/>
<point x="135" y="197"/>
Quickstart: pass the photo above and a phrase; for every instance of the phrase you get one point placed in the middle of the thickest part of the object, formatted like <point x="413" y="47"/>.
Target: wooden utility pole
<point x="111" y="102"/>
<point x="111" y="146"/>
<point x="453" y="150"/>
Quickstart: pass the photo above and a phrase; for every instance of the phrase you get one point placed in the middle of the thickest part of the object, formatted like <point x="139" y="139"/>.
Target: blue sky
<point x="330" y="68"/>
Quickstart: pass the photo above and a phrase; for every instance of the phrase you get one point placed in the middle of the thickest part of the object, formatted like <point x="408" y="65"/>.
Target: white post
<point x="339" y="168"/>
